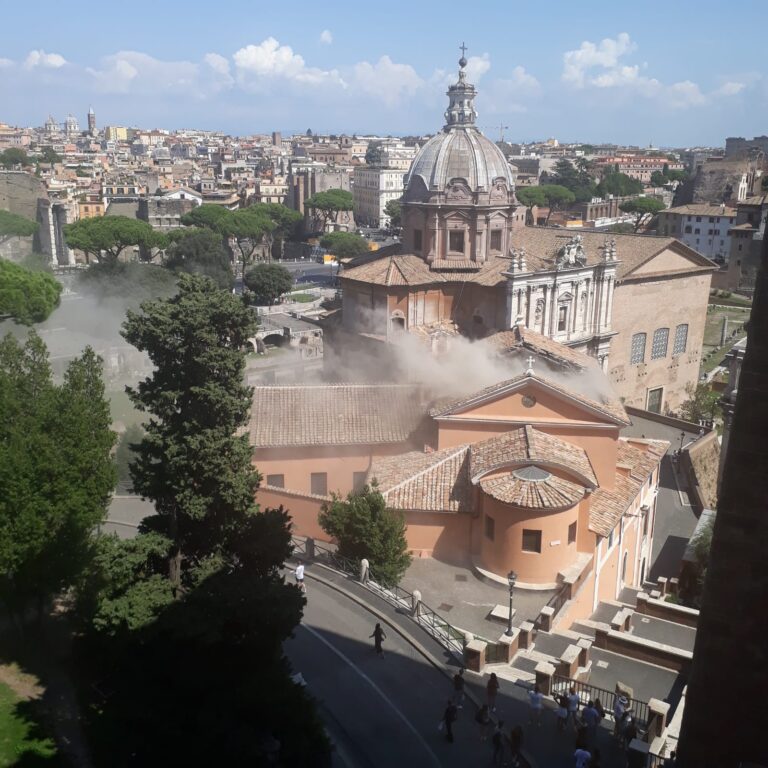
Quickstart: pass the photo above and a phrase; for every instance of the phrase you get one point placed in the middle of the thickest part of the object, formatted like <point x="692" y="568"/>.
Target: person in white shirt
<point x="300" y="577"/>
<point x="536" y="698"/>
<point x="573" y="706"/>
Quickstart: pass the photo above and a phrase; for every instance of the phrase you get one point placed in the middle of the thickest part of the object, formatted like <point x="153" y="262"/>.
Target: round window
<point x="529" y="401"/>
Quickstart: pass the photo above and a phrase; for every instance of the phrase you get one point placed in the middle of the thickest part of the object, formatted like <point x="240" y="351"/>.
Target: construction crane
<point x="500" y="128"/>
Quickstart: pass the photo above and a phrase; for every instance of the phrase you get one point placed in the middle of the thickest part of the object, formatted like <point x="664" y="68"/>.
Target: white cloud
<point x="386" y="79"/>
<point x="5" y="63"/>
<point x="326" y="38"/>
<point x="217" y="63"/>
<point x="730" y="89"/>
<point x="139" y="72"/>
<point x="42" y="59"/>
<point x="477" y="66"/>
<point x="270" y="60"/>
<point x="606" y="54"/>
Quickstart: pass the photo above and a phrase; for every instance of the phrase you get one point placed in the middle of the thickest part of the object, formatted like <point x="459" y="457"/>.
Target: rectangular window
<point x="688" y="230"/>
<point x="660" y="343"/>
<point x="531" y="541"/>
<point x="417" y="240"/>
<point x="276" y="481"/>
<point x="456" y="241"/>
<point x="495" y="239"/>
<point x="654" y="399"/>
<point x="681" y="339"/>
<point x="490" y="528"/>
<point x="697" y="231"/>
<point x="319" y="483"/>
<point x="572" y="533"/>
<point x="698" y="218"/>
<point x="637" y="351"/>
<point x="358" y="480"/>
<point x="562" y="318"/>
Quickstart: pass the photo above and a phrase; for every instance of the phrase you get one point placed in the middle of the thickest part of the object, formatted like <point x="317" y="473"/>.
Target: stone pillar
<point x="526" y="634"/>
<point x="544" y="672"/>
<point x="474" y="655"/>
<point x="585" y="645"/>
<point x="662" y="585"/>
<point x="569" y="661"/>
<point x="641" y="605"/>
<point x="657" y="716"/>
<point x="674" y="585"/>
<point x="310" y="548"/>
<point x="545" y="618"/>
<point x="510" y="644"/>
<point x="601" y="636"/>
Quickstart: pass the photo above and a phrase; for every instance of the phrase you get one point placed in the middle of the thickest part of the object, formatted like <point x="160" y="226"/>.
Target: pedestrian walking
<point x="536" y="698"/>
<point x="378" y="636"/>
<point x="449" y="718"/>
<point x="562" y="711"/>
<point x="299" y="576"/>
<point x="573" y="706"/>
<point x="483" y="719"/>
<point x="458" y="689"/>
<point x="620" y="706"/>
<point x="491" y="690"/>
<point x="581" y="758"/>
<point x="497" y="740"/>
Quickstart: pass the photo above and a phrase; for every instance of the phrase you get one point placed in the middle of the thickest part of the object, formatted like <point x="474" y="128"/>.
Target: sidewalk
<point x="543" y="746"/>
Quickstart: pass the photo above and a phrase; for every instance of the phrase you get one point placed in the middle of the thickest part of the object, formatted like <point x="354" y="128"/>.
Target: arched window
<point x="637" y="351"/>
<point x="660" y="343"/>
<point x="397" y="321"/>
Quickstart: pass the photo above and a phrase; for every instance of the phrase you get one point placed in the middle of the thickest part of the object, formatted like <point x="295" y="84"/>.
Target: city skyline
<point x="665" y="78"/>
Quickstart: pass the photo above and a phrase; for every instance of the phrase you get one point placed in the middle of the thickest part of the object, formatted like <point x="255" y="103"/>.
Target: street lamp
<point x="511" y="578"/>
<point x="682" y="437"/>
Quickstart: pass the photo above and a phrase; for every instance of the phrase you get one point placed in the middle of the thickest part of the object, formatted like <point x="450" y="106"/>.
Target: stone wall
<point x="701" y="462"/>
<point x="22" y="193"/>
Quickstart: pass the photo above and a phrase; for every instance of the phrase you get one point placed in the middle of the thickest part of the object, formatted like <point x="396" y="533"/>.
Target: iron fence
<point x="587" y="692"/>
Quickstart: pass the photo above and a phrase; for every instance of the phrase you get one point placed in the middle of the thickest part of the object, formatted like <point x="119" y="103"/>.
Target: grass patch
<point x="302" y="298"/>
<point x="20" y="735"/>
<point x="712" y="351"/>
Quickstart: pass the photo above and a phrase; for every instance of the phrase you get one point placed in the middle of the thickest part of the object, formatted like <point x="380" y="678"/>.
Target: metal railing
<point x="451" y="638"/>
<point x="586" y="691"/>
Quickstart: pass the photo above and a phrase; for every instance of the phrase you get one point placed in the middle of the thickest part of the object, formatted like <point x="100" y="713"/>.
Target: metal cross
<point x="463" y="48"/>
<point x="531" y="360"/>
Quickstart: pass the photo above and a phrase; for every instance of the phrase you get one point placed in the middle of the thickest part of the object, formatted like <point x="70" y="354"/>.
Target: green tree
<point x="558" y="198"/>
<point x="619" y="185"/>
<point x="25" y="295"/>
<point x="12" y="225"/>
<point x="250" y="227"/>
<point x="191" y="464"/>
<point x="703" y="403"/>
<point x="577" y="180"/>
<point x="393" y="211"/>
<point x="14" y="156"/>
<point x="327" y="205"/>
<point x="373" y="155"/>
<point x="658" y="179"/>
<point x="268" y="282"/>
<point x="49" y="155"/>
<point x="200" y="252"/>
<point x="362" y="526"/>
<point x="344" y="245"/>
<point x="643" y="209"/>
<point x="531" y="197"/>
<point x="56" y="472"/>
<point x="209" y="217"/>
<point x="286" y="224"/>
<point x="106" y="237"/>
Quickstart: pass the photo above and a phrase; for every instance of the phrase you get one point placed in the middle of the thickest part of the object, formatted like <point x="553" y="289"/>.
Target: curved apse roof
<point x="460" y="152"/>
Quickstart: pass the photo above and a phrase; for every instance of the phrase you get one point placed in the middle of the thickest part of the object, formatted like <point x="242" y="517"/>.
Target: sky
<point x="676" y="73"/>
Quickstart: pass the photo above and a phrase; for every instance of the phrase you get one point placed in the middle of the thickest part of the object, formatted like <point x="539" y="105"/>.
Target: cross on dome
<point x="463" y="60"/>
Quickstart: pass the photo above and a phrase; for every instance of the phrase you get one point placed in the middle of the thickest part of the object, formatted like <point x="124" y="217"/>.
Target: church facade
<point x="469" y="266"/>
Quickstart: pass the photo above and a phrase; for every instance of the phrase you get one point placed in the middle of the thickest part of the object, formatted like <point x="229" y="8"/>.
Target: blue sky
<point x="675" y="73"/>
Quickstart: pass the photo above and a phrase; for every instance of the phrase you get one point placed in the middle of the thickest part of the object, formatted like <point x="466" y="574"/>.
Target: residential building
<point x="747" y="236"/>
<point x="90" y="206"/>
<point x="703" y="227"/>
<point x="271" y="191"/>
<point x="372" y="189"/>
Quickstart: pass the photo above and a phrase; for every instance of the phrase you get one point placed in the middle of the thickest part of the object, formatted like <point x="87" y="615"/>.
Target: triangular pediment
<point x="674" y="259"/>
<point x="531" y="399"/>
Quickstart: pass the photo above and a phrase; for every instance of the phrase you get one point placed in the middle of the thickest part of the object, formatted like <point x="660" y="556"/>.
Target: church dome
<point x="459" y="151"/>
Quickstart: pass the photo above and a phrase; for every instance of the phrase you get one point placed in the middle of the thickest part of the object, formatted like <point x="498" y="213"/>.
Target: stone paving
<point x="465" y="600"/>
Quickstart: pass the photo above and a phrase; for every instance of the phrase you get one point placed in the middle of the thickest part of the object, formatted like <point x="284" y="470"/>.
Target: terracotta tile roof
<point x="340" y="414"/>
<point x="529" y="444"/>
<point x="521" y="337"/>
<point x="550" y="493"/>
<point x="430" y="482"/>
<point x="608" y="505"/>
<point x="611" y="408"/>
<point x="702" y="209"/>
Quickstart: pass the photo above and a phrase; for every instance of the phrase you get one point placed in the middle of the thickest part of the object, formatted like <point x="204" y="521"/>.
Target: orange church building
<point x="527" y="474"/>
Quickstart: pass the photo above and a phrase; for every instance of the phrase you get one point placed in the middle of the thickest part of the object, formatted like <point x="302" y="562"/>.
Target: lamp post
<point x="682" y="437"/>
<point x="511" y="578"/>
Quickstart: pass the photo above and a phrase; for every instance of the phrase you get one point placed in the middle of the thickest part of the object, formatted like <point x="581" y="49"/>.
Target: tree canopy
<point x="531" y="197"/>
<point x="104" y="238"/>
<point x="393" y="210"/>
<point x="49" y="155"/>
<point x="703" y="403"/>
<point x="344" y="245"/>
<point x="267" y="282"/>
<point x="364" y="528"/>
<point x="14" y="156"/>
<point x="326" y="205"/>
<point x="619" y="185"/>
<point x="557" y="198"/>
<point x="643" y="208"/>
<point x="577" y="180"/>
<point x="56" y="473"/>
<point x="13" y="225"/>
<point x="200" y="252"/>
<point x="28" y="296"/>
<point x="373" y="153"/>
